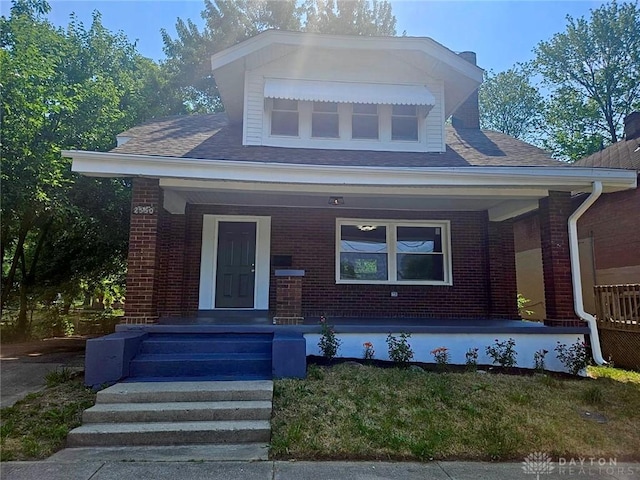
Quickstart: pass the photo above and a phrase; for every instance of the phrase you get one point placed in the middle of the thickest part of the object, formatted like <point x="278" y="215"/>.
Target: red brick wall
<point x="309" y="236"/>
<point x="143" y="268"/>
<point x="614" y="224"/>
<point x="502" y="270"/>
<point x="556" y="264"/>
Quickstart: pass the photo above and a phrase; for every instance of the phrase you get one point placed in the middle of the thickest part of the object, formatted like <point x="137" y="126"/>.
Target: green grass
<point x="396" y="414"/>
<point x="37" y="426"/>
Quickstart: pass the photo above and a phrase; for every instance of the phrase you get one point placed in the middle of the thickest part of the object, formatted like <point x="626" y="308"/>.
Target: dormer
<point x="304" y="90"/>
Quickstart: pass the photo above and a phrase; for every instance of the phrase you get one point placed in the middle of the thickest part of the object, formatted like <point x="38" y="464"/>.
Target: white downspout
<point x="578" y="304"/>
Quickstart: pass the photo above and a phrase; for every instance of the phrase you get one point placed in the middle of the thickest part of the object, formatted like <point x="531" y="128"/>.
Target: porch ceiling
<point x="500" y="203"/>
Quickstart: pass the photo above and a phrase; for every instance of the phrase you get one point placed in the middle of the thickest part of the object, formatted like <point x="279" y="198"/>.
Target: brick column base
<point x="288" y="297"/>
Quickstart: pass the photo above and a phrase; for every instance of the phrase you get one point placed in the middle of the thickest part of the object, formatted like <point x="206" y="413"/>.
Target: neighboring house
<point x="609" y="235"/>
<point x="332" y="186"/>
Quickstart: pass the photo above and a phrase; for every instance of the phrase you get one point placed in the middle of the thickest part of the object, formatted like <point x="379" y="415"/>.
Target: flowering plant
<point x="575" y="357"/>
<point x="369" y="352"/>
<point x="329" y="342"/>
<point x="538" y="360"/>
<point x="399" y="348"/>
<point x="471" y="359"/>
<point x="503" y="353"/>
<point x="441" y="355"/>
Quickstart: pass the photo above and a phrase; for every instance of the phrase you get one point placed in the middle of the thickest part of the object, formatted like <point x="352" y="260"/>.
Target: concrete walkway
<point x="24" y="366"/>
<point x="51" y="470"/>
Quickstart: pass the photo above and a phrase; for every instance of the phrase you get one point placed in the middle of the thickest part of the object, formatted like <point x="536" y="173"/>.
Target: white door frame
<point x="209" y="254"/>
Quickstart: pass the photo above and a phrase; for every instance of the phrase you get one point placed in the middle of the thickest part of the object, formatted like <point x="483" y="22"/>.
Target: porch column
<point x="556" y="262"/>
<point x="288" y="297"/>
<point x="143" y="260"/>
<point x="172" y="233"/>
<point x="502" y="270"/>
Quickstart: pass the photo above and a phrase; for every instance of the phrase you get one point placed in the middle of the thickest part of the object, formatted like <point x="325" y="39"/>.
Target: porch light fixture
<point x="367" y="228"/>
<point x="336" y="201"/>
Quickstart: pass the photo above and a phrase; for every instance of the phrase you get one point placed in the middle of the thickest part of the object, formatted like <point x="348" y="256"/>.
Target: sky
<point x="501" y="32"/>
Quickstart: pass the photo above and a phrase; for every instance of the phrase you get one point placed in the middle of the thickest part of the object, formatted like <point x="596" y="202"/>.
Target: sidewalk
<point x="52" y="470"/>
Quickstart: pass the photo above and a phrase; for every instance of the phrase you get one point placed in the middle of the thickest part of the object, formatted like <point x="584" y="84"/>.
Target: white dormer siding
<point x="334" y="67"/>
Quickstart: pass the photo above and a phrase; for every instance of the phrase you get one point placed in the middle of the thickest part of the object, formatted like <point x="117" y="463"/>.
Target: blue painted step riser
<point x="251" y="337"/>
<point x="191" y="368"/>
<point x="205" y="346"/>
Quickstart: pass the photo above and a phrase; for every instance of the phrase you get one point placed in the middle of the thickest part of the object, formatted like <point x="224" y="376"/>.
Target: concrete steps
<point x="177" y="413"/>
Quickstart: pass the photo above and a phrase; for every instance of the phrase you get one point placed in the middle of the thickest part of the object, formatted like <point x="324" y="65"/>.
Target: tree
<point x="510" y="104"/>
<point x="64" y="89"/>
<point x="228" y="22"/>
<point x="596" y="65"/>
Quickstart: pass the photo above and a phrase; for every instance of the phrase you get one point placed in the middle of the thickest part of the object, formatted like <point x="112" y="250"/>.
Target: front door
<point x="236" y="265"/>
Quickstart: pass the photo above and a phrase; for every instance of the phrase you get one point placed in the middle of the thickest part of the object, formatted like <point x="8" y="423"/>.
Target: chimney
<point x="468" y="114"/>
<point x="632" y="126"/>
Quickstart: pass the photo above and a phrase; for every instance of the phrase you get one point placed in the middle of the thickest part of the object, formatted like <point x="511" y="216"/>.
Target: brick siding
<point x="502" y="270"/>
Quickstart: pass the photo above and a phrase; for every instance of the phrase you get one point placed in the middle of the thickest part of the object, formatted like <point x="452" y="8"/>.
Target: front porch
<point x="208" y="348"/>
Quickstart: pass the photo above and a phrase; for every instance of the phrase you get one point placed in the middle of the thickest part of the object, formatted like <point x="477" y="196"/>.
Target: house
<point x="609" y="242"/>
<point x="333" y="186"/>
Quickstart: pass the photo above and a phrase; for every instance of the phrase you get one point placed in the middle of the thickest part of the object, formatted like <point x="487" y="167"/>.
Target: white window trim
<point x="208" y="260"/>
<point x="391" y="225"/>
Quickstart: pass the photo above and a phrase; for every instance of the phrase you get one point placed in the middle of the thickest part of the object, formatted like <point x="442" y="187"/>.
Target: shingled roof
<point x="211" y="137"/>
<point x="622" y="154"/>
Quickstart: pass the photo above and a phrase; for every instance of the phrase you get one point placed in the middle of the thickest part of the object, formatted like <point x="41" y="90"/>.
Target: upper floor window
<point x="325" y="122"/>
<point x="404" y="123"/>
<point x="364" y="121"/>
<point x="284" y="117"/>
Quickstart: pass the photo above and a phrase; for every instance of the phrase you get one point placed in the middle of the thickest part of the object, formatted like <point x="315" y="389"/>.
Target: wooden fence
<point x="618" y="316"/>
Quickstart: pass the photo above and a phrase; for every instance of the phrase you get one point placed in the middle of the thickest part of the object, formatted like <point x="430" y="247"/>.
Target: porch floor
<point x="261" y="322"/>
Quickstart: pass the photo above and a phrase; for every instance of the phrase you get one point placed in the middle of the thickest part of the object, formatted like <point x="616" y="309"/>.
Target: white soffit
<point x="345" y="92"/>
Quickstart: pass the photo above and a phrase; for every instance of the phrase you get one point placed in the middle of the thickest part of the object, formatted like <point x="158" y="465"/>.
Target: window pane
<point x="284" y="104"/>
<point x="355" y="239"/>
<point x="368" y="108"/>
<point x="404" y="128"/>
<point x="284" y="123"/>
<point x="363" y="266"/>
<point x="419" y="239"/>
<point x="364" y="126"/>
<point x="329" y="107"/>
<point x="409" y="110"/>
<point x="325" y="125"/>
<point x="420" y="267"/>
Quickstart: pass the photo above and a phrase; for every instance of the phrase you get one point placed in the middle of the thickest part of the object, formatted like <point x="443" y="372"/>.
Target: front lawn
<point x="356" y="412"/>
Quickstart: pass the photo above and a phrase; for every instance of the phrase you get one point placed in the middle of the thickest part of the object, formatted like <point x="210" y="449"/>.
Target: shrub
<point x="441" y="356"/>
<point x="329" y="342"/>
<point x="538" y="360"/>
<point x="471" y="359"/>
<point x="503" y="353"/>
<point x="574" y="357"/>
<point x="368" y="352"/>
<point x="399" y="348"/>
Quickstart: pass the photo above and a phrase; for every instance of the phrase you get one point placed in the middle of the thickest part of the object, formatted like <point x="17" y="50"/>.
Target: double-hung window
<point x="364" y="121"/>
<point x="395" y="251"/>
<point x="325" y="122"/>
<point x="404" y="123"/>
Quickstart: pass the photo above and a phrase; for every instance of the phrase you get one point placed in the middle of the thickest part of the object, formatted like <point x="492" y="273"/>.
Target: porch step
<point x="201" y="364"/>
<point x="203" y="356"/>
<point x="177" y="413"/>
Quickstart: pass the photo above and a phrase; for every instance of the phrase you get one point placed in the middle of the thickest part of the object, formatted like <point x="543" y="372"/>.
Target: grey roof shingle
<point x="622" y="154"/>
<point x="211" y="137"/>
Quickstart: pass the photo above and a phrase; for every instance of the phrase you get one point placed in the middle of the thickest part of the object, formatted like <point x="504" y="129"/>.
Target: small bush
<point x="368" y="352"/>
<point x="441" y="356"/>
<point x="471" y="359"/>
<point x="329" y="343"/>
<point x="574" y="357"/>
<point x="538" y="360"/>
<point x="503" y="353"/>
<point x="399" y="348"/>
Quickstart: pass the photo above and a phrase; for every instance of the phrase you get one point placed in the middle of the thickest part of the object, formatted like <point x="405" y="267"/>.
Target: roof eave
<point x="101" y="164"/>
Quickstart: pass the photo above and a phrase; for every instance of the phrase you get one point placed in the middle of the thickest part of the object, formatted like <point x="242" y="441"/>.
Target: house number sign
<point x="144" y="210"/>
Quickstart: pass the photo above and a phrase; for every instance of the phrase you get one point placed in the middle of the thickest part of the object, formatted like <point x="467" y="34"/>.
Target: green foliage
<point x="592" y="69"/>
<point x="574" y="357"/>
<point x="228" y="22"/>
<point x="441" y="356"/>
<point x="522" y="302"/>
<point x="73" y="88"/>
<point x="471" y="359"/>
<point x="510" y="104"/>
<point x="593" y="395"/>
<point x="538" y="360"/>
<point x="399" y="348"/>
<point x="503" y="353"/>
<point x="58" y="376"/>
<point x="368" y="353"/>
<point x="329" y="343"/>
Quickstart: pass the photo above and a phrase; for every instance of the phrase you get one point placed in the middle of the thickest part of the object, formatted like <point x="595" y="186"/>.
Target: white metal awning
<point x="344" y="92"/>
